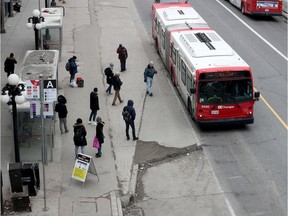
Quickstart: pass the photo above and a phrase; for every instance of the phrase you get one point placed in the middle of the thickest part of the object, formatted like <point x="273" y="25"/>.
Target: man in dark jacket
<point x="79" y="136"/>
<point x="72" y="68"/>
<point x="149" y="73"/>
<point x="130" y="121"/>
<point x="94" y="106"/>
<point x="9" y="64"/>
<point x="62" y="113"/>
<point x="122" y="56"/>
<point x="117" y="86"/>
<point x="109" y="77"/>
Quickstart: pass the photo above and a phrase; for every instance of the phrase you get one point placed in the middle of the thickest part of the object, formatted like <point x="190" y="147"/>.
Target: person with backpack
<point x="94" y="106"/>
<point x="122" y="56"/>
<point x="109" y="77"/>
<point x="149" y="73"/>
<point x="71" y="66"/>
<point x="129" y="115"/>
<point x="99" y="135"/>
<point x="9" y="64"/>
<point x="62" y="113"/>
<point x="117" y="83"/>
<point x="79" y="137"/>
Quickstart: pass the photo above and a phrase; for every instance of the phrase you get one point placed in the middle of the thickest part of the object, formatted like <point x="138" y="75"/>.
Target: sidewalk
<point x="92" y="30"/>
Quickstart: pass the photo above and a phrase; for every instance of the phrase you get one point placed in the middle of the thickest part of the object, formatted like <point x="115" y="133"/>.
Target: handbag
<point x="96" y="143"/>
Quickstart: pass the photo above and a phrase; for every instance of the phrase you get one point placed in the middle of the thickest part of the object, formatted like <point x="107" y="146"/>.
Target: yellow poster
<point x="79" y="174"/>
<point x="81" y="167"/>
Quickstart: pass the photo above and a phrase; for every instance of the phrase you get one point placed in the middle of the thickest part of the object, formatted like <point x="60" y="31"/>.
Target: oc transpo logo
<point x="225" y="107"/>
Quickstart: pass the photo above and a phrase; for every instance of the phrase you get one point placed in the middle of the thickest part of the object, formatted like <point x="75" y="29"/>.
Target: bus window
<point x="183" y="72"/>
<point x="189" y="82"/>
<point x="173" y="54"/>
<point x="225" y="92"/>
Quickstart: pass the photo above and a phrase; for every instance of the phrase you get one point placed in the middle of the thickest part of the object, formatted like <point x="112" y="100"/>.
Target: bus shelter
<point x="52" y="35"/>
<point x="37" y="63"/>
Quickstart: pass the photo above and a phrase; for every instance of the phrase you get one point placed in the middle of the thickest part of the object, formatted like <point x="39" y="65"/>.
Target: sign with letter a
<point x="50" y="90"/>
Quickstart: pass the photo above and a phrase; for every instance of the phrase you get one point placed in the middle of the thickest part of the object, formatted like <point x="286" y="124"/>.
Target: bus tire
<point x="172" y="76"/>
<point x="156" y="46"/>
<point x="190" y="110"/>
<point x="243" y="9"/>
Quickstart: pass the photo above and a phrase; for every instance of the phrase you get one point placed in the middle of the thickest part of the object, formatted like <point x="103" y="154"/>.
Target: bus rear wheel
<point x="172" y="76"/>
<point x="157" y="47"/>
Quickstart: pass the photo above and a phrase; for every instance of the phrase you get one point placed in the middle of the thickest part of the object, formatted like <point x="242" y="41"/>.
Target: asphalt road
<point x="250" y="162"/>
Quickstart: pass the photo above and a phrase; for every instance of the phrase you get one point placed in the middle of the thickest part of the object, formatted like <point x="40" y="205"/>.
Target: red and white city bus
<point x="259" y="7"/>
<point x="214" y="82"/>
<point x="169" y="16"/>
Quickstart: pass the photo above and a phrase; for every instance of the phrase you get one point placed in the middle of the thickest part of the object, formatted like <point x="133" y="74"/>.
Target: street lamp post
<point x="11" y="95"/>
<point x="38" y="22"/>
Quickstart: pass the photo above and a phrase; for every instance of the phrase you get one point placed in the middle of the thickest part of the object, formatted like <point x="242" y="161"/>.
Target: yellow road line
<point x="274" y="112"/>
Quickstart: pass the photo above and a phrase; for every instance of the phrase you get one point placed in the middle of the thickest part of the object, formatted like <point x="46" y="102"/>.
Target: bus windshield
<point x="225" y="91"/>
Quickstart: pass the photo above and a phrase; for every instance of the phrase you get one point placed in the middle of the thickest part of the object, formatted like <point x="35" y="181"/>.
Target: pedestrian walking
<point x="122" y="56"/>
<point x="109" y="77"/>
<point x="9" y="64"/>
<point x="129" y="115"/>
<point x="148" y="77"/>
<point x="61" y="108"/>
<point x="94" y="106"/>
<point x="117" y="83"/>
<point x="79" y="136"/>
<point x="72" y="68"/>
<point x="99" y="135"/>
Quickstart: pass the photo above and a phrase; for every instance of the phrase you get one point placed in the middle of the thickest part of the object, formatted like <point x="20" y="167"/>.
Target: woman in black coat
<point x="79" y="136"/>
<point x="100" y="136"/>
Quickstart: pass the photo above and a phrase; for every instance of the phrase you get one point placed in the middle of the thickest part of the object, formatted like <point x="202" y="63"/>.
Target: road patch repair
<point x="174" y="181"/>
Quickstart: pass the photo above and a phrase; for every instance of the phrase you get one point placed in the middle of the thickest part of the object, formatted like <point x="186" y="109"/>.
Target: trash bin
<point x="29" y="178"/>
<point x="15" y="177"/>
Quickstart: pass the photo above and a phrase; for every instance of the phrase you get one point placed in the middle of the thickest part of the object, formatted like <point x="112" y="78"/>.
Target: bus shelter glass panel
<point x="52" y="33"/>
<point x="30" y="142"/>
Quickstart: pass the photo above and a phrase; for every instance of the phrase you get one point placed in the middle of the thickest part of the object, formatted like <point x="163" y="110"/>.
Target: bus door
<point x="162" y="42"/>
<point x="190" y="84"/>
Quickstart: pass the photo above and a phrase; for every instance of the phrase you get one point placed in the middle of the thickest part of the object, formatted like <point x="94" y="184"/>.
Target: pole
<point x="46" y="4"/>
<point x="36" y="38"/>
<point x="15" y="130"/>
<point x="2" y="30"/>
<point x="42" y="139"/>
<point x="11" y="12"/>
<point x="2" y="205"/>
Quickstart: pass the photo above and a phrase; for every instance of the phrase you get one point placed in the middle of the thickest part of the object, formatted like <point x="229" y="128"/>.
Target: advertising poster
<point x="32" y="89"/>
<point x="35" y="107"/>
<point x="81" y="167"/>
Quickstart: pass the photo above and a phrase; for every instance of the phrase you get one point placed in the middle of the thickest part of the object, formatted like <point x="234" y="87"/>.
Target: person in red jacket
<point x="122" y="56"/>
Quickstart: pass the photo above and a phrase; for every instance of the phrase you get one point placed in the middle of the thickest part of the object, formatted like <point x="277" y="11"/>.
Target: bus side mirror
<point x="256" y="96"/>
<point x="192" y="90"/>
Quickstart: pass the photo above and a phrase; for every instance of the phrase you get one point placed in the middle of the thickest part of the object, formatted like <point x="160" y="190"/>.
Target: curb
<point x="116" y="206"/>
